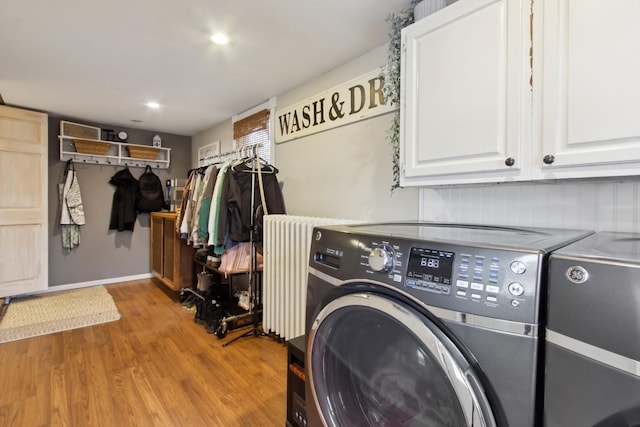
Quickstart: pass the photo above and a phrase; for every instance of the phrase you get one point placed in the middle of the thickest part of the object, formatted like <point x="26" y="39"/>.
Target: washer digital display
<point x="428" y="268"/>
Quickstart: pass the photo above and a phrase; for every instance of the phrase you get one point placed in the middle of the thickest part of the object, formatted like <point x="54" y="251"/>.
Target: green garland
<point x="391" y="89"/>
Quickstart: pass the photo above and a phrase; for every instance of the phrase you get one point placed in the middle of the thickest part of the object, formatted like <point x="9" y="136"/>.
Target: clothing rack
<point x="248" y="160"/>
<point x="255" y="295"/>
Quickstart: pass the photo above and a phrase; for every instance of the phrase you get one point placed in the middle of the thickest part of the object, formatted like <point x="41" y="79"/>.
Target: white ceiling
<point x="102" y="60"/>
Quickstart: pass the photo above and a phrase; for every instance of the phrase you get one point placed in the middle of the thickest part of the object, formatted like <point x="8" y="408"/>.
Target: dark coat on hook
<point x="123" y="209"/>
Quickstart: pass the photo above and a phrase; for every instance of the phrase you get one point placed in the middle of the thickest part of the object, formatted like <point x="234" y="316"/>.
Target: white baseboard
<point x="111" y="280"/>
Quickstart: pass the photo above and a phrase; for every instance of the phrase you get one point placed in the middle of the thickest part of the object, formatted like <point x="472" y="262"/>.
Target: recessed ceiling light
<point x="219" y="38"/>
<point x="153" y="105"/>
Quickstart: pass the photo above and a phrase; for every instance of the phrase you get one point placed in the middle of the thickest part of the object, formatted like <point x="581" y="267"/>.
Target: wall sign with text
<point x="358" y="99"/>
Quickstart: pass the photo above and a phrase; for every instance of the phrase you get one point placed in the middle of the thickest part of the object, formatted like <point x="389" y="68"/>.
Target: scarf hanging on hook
<point x="71" y="208"/>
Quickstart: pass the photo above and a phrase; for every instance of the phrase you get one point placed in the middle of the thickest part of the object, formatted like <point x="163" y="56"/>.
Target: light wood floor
<point x="153" y="367"/>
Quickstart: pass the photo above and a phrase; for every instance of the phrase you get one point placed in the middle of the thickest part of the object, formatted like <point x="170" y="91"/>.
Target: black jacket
<point x="239" y="208"/>
<point x="123" y="209"/>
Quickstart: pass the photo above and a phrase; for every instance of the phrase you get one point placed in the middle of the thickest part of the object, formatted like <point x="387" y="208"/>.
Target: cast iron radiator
<point x="286" y="245"/>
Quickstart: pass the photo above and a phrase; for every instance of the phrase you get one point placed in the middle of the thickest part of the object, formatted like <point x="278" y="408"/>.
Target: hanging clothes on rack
<point x="123" y="208"/>
<point x="186" y="194"/>
<point x="203" y="207"/>
<point x="194" y="193"/>
<point x="243" y="179"/>
<point x="222" y="201"/>
<point x="71" y="208"/>
<point x="218" y="214"/>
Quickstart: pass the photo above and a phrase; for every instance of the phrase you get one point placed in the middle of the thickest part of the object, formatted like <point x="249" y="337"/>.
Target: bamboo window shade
<point x="252" y="130"/>
<point x="253" y="123"/>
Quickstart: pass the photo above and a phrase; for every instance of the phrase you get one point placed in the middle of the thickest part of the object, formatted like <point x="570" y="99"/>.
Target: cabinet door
<point x="465" y="109"/>
<point x="23" y="201"/>
<point x="171" y="246"/>
<point x="586" y="100"/>
<point x="157" y="237"/>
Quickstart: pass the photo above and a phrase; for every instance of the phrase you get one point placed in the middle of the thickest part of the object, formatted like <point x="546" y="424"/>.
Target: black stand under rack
<point x="255" y="296"/>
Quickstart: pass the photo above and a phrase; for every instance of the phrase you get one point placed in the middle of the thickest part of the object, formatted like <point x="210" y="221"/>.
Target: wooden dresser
<point x="171" y="257"/>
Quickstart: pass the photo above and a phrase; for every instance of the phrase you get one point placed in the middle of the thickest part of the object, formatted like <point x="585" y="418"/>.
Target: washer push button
<point x="493" y="289"/>
<point x="477" y="286"/>
<point x="516" y="289"/>
<point x="462" y="284"/>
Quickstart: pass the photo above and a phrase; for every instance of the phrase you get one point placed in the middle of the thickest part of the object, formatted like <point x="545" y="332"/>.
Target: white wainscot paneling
<point x="599" y="206"/>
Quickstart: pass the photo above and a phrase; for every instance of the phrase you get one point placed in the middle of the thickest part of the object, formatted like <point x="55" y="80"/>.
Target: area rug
<point x="48" y="313"/>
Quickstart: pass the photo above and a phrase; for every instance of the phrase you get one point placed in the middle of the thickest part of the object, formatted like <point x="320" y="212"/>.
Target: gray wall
<point x="345" y="172"/>
<point x="104" y="254"/>
<point x="222" y="132"/>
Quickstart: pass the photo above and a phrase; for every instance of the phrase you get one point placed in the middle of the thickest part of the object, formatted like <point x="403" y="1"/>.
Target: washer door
<point x="373" y="361"/>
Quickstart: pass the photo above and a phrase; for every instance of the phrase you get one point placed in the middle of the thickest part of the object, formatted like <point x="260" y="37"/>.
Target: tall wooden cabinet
<point x="23" y="201"/>
<point x="171" y="257"/>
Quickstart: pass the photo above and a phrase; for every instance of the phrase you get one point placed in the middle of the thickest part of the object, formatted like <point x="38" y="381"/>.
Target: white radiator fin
<point x="286" y="245"/>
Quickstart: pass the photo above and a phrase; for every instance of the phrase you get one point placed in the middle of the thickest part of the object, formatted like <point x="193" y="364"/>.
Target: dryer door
<point x="373" y="361"/>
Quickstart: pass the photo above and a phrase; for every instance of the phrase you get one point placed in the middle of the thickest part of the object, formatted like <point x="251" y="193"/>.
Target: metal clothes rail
<point x="240" y="153"/>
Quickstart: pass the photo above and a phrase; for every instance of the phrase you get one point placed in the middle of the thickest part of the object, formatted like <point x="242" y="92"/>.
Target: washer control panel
<point x="479" y="280"/>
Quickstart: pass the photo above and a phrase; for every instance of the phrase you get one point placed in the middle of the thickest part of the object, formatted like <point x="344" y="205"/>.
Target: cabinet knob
<point x="548" y="159"/>
<point x="510" y="161"/>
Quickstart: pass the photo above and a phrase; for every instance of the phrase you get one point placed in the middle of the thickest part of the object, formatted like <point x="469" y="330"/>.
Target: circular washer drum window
<point x="370" y="368"/>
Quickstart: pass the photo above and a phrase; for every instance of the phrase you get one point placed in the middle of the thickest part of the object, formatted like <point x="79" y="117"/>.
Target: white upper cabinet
<point x="587" y="95"/>
<point x="466" y="102"/>
<point x="475" y="99"/>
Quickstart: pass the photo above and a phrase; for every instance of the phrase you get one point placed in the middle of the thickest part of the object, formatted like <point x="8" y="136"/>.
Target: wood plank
<point x="154" y="366"/>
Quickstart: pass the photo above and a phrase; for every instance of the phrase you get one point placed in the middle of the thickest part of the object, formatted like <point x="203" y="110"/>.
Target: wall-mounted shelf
<point x="113" y="153"/>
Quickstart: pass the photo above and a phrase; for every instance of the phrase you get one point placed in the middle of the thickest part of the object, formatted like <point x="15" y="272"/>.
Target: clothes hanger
<point x="265" y="167"/>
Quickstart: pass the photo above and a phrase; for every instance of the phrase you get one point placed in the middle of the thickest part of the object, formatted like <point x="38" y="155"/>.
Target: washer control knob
<point x="381" y="259"/>
<point x="518" y="267"/>
<point x="516" y="289"/>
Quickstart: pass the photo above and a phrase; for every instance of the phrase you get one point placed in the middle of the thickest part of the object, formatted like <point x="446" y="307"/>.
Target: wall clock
<point x="122" y="135"/>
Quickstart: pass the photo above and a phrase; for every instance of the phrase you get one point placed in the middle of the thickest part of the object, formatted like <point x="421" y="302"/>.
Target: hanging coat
<point x="239" y="200"/>
<point x="123" y="209"/>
